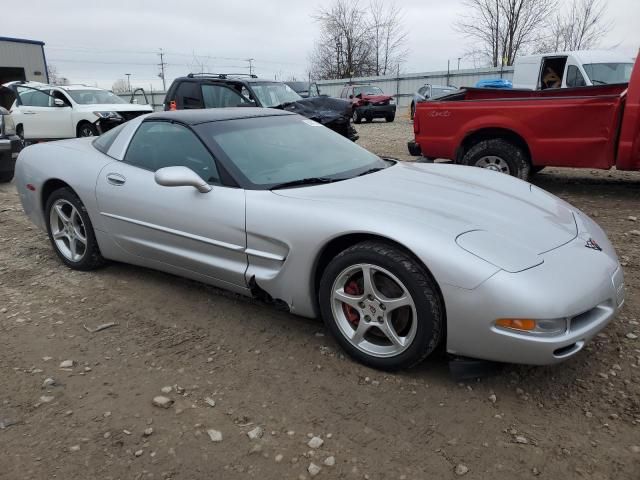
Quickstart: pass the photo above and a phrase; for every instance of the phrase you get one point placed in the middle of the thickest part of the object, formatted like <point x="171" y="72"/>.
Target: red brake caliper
<point x="351" y="313"/>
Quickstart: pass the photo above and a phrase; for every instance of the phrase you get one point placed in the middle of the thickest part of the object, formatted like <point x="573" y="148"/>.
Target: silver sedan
<point x="397" y="258"/>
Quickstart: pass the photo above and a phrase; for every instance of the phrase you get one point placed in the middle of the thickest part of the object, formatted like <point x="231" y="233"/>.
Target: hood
<point x="322" y="109"/>
<point x="116" y="107"/>
<point x="376" y="98"/>
<point x="455" y="199"/>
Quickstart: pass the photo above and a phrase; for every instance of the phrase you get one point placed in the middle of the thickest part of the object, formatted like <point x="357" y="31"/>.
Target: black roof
<point x="197" y="116"/>
<point x="225" y="78"/>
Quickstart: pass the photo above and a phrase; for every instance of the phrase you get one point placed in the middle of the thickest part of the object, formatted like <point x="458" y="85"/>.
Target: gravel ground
<point x="251" y="385"/>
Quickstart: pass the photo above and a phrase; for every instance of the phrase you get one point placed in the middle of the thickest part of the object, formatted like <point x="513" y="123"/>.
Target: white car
<point x="48" y="112"/>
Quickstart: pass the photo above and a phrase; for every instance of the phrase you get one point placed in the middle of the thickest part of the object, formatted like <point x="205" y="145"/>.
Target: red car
<point x="519" y="132"/>
<point x="369" y="102"/>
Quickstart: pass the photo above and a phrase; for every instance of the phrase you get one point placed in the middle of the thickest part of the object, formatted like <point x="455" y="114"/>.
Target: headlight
<point x="7" y="127"/>
<point x="108" y="115"/>
<point x="392" y="102"/>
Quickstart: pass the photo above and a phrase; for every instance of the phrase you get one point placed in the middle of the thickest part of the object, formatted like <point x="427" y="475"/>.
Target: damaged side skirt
<point x="264" y="296"/>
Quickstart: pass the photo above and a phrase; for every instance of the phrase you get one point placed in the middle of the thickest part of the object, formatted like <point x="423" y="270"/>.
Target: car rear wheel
<point x="71" y="232"/>
<point x="87" y="130"/>
<point x="381" y="305"/>
<point x="499" y="155"/>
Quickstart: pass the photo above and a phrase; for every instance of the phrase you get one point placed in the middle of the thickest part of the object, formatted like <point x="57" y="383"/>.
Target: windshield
<point x="604" y="73"/>
<point x="274" y="94"/>
<point x="367" y="90"/>
<point x="94" y="97"/>
<point x="270" y="151"/>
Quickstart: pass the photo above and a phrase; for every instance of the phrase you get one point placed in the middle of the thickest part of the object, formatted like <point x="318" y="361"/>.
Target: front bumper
<point x="376" y="111"/>
<point x="9" y="149"/>
<point x="582" y="285"/>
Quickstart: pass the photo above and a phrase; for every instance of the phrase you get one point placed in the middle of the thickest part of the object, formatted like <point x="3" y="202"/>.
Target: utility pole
<point x="162" y="64"/>
<point x="128" y="81"/>
<point x="459" y="58"/>
<point x="251" y="60"/>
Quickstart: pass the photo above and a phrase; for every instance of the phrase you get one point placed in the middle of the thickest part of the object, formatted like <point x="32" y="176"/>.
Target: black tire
<point x="413" y="110"/>
<point x="86" y="129"/>
<point x="418" y="282"/>
<point x="20" y="132"/>
<point x="357" y="118"/>
<point x="513" y="156"/>
<point x="390" y="118"/>
<point x="6" y="177"/>
<point x="369" y="119"/>
<point x="91" y="258"/>
<point x="536" y="169"/>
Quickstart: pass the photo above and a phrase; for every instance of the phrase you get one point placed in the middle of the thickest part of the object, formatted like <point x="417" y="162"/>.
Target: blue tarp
<point x="496" y="83"/>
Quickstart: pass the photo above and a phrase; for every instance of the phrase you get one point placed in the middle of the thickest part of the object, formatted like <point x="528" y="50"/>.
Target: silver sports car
<point x="397" y="258"/>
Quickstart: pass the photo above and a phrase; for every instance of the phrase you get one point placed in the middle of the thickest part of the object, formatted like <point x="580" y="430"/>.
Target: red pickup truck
<point x="520" y="132"/>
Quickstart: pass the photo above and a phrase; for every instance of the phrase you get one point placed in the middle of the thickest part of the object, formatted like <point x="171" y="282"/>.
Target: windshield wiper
<point x="371" y="170"/>
<point x="305" y="181"/>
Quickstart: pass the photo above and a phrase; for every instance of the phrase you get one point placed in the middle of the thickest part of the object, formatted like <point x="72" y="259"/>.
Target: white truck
<point x="50" y="112"/>
<point x="571" y="69"/>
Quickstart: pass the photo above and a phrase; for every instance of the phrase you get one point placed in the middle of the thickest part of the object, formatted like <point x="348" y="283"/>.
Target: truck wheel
<point x="499" y="155"/>
<point x="85" y="129"/>
<point x="356" y="116"/>
<point x="390" y="118"/>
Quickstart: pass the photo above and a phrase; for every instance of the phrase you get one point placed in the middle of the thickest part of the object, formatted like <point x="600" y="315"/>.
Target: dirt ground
<point x="281" y="373"/>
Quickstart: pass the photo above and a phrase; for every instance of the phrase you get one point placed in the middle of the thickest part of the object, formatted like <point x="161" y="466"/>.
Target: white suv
<point x="48" y="112"/>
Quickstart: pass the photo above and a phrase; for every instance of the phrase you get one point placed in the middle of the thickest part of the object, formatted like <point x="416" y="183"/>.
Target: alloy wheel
<point x="374" y="310"/>
<point x="68" y="231"/>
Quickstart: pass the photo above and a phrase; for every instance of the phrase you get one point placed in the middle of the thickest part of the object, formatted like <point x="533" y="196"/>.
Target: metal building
<point x="21" y="59"/>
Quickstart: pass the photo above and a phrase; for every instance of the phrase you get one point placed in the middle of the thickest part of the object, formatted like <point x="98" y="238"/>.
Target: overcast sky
<point x="98" y="42"/>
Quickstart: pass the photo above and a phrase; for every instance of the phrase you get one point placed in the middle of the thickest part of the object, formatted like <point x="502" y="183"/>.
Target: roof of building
<point x="21" y="40"/>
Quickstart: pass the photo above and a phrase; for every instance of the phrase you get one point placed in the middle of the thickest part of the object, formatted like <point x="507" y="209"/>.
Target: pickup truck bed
<point x="524" y="130"/>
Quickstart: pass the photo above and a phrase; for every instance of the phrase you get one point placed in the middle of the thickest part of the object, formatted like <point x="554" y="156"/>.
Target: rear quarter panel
<point x="573" y="130"/>
<point x="74" y="162"/>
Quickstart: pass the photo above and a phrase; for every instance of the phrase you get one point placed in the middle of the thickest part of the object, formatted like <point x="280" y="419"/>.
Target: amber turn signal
<point x="516" y="323"/>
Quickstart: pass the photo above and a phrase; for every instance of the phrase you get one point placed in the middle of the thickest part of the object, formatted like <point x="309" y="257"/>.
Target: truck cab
<point x="571" y="69"/>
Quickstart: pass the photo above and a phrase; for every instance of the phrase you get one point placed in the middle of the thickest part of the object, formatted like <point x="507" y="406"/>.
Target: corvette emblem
<point x="591" y="243"/>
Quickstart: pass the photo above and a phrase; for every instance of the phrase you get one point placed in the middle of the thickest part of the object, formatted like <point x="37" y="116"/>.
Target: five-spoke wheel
<point x="382" y="305"/>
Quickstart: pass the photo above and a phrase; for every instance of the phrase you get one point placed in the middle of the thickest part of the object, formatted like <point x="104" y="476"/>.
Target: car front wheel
<point x="382" y="306"/>
<point x="356" y="117"/>
<point x="87" y="130"/>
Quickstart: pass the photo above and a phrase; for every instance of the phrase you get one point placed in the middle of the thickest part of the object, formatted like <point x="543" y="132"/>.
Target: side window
<point x="422" y="91"/>
<point x="219" y="96"/>
<point x="162" y="144"/>
<point x="103" y="142"/>
<point x="574" y="77"/>
<point x="34" y="98"/>
<point x="314" y="91"/>
<point x="188" y="95"/>
<point x="343" y="93"/>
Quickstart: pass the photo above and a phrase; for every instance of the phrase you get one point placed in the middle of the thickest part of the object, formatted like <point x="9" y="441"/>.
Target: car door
<point x="178" y="226"/>
<point x="40" y="118"/>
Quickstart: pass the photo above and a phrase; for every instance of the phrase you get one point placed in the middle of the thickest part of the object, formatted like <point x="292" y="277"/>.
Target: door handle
<point x="116" y="179"/>
<point x="29" y="113"/>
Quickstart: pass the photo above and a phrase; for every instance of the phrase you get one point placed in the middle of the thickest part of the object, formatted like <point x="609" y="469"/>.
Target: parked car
<point x="429" y="91"/>
<point x="571" y="69"/>
<point x="305" y="89"/>
<point x="522" y="131"/>
<point x="197" y="91"/>
<point x="398" y="258"/>
<point x="10" y="146"/>
<point x="369" y="102"/>
<point x="49" y="112"/>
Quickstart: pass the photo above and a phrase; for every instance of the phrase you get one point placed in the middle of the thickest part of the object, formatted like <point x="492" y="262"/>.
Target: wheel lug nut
<point x="383" y="306"/>
<point x="379" y="319"/>
<point x="367" y="318"/>
<point x="370" y="297"/>
<point x="361" y="304"/>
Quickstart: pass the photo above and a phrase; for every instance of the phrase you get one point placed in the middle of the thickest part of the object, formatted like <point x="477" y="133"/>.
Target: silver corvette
<point x="397" y="258"/>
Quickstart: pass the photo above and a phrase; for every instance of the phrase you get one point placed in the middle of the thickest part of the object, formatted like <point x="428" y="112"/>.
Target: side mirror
<point x="58" y="103"/>
<point x="181" y="177"/>
<point x="351" y="96"/>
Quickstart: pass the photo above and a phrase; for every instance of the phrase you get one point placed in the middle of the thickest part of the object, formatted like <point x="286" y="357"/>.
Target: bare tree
<point x="120" y="86"/>
<point x="388" y="35"/>
<point x="503" y="28"/>
<point x="581" y="27"/>
<point x="54" y="76"/>
<point x="357" y="42"/>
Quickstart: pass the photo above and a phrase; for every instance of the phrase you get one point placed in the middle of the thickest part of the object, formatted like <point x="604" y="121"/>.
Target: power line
<point x="161" y="75"/>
